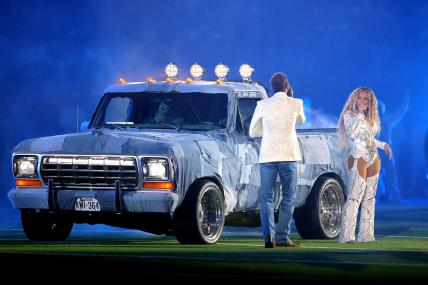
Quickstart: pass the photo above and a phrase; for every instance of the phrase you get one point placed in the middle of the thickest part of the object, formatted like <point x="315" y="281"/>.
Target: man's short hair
<point x="279" y="82"/>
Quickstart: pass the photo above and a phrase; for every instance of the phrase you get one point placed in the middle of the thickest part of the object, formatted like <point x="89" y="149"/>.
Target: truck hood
<point x="115" y="142"/>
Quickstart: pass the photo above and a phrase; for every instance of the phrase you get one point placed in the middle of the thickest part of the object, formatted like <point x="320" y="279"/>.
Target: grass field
<point x="400" y="254"/>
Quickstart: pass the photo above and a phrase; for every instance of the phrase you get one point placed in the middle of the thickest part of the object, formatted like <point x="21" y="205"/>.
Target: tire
<point x="319" y="217"/>
<point x="200" y="218"/>
<point x="45" y="226"/>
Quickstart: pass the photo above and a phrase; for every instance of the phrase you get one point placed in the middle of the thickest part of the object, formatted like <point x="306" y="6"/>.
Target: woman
<point x="358" y="124"/>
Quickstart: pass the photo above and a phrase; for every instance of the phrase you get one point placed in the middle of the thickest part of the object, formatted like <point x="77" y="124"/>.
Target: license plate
<point x="87" y="204"/>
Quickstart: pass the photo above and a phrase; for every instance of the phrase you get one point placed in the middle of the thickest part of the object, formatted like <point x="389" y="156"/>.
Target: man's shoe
<point x="289" y="243"/>
<point x="270" y="243"/>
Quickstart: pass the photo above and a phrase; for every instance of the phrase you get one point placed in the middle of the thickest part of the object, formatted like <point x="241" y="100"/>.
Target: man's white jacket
<point x="275" y="120"/>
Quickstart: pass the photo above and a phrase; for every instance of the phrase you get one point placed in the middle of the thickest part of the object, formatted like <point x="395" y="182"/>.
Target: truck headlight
<point x="25" y="166"/>
<point x="155" y="169"/>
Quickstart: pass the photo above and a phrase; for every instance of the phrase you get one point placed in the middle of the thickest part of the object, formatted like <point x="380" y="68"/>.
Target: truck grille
<point x="90" y="171"/>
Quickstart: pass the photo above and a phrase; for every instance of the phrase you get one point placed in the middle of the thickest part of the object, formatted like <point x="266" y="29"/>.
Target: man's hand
<point x="388" y="150"/>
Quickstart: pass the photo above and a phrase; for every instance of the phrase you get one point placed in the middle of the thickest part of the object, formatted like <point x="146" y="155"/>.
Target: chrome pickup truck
<point x="169" y="157"/>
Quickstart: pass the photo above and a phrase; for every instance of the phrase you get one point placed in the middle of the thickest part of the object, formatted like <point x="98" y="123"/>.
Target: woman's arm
<point x="379" y="144"/>
<point x="353" y="124"/>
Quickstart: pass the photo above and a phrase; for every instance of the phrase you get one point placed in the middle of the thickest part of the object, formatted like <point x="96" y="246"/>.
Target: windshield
<point x="192" y="111"/>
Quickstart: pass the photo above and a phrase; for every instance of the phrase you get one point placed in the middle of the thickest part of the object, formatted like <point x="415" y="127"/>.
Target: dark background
<point x="58" y="56"/>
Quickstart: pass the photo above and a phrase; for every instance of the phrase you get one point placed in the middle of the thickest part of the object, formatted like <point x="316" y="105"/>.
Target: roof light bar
<point x="171" y="70"/>
<point x="196" y="70"/>
<point x="246" y="71"/>
<point x="221" y="70"/>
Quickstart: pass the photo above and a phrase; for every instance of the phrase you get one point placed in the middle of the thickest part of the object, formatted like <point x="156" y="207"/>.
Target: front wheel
<point x="200" y="218"/>
<point x="319" y="217"/>
<point x="45" y="226"/>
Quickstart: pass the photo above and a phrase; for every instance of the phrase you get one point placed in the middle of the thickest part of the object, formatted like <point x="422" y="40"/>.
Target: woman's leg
<point x="366" y="229"/>
<point x="356" y="188"/>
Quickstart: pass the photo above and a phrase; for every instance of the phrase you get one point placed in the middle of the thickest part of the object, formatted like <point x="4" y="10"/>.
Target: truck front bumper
<point x="131" y="201"/>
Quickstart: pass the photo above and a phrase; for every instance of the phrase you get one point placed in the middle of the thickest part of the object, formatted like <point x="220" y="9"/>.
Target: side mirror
<point x="84" y="126"/>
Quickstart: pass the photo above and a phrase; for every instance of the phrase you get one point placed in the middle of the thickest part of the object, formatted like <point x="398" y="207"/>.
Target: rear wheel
<point x="45" y="226"/>
<point x="200" y="218"/>
<point x="319" y="217"/>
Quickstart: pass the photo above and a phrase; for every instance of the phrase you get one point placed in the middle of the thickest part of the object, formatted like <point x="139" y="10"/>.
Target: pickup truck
<point x="169" y="157"/>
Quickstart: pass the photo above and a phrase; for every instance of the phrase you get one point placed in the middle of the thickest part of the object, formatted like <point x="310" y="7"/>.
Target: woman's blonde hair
<point x="351" y="106"/>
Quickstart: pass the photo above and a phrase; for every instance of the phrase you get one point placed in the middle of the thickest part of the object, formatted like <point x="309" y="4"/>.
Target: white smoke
<point x="316" y="119"/>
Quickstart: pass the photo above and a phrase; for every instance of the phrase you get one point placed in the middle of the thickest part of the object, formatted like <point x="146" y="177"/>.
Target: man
<point x="275" y="120"/>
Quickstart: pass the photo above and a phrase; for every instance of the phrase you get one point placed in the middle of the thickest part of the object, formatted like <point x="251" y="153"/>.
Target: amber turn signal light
<point x="28" y="183"/>
<point x="158" y="185"/>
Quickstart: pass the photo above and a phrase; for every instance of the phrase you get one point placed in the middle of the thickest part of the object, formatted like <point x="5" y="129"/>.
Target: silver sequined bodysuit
<point x="362" y="137"/>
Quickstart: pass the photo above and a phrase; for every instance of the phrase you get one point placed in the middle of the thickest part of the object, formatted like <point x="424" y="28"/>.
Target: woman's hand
<point x="388" y="150"/>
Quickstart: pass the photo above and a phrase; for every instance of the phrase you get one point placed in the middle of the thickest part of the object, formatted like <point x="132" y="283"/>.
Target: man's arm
<point x="256" y="127"/>
<point x="300" y="114"/>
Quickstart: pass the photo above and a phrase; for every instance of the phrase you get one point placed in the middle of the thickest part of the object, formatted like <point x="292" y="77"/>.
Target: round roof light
<point x="221" y="71"/>
<point x="246" y="71"/>
<point x="196" y="70"/>
<point x="171" y="70"/>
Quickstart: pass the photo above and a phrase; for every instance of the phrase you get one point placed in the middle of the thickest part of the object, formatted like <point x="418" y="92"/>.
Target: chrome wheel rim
<point x="211" y="215"/>
<point x="330" y="210"/>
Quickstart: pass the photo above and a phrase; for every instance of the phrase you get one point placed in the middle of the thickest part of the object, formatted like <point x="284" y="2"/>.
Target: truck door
<point x="247" y="150"/>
